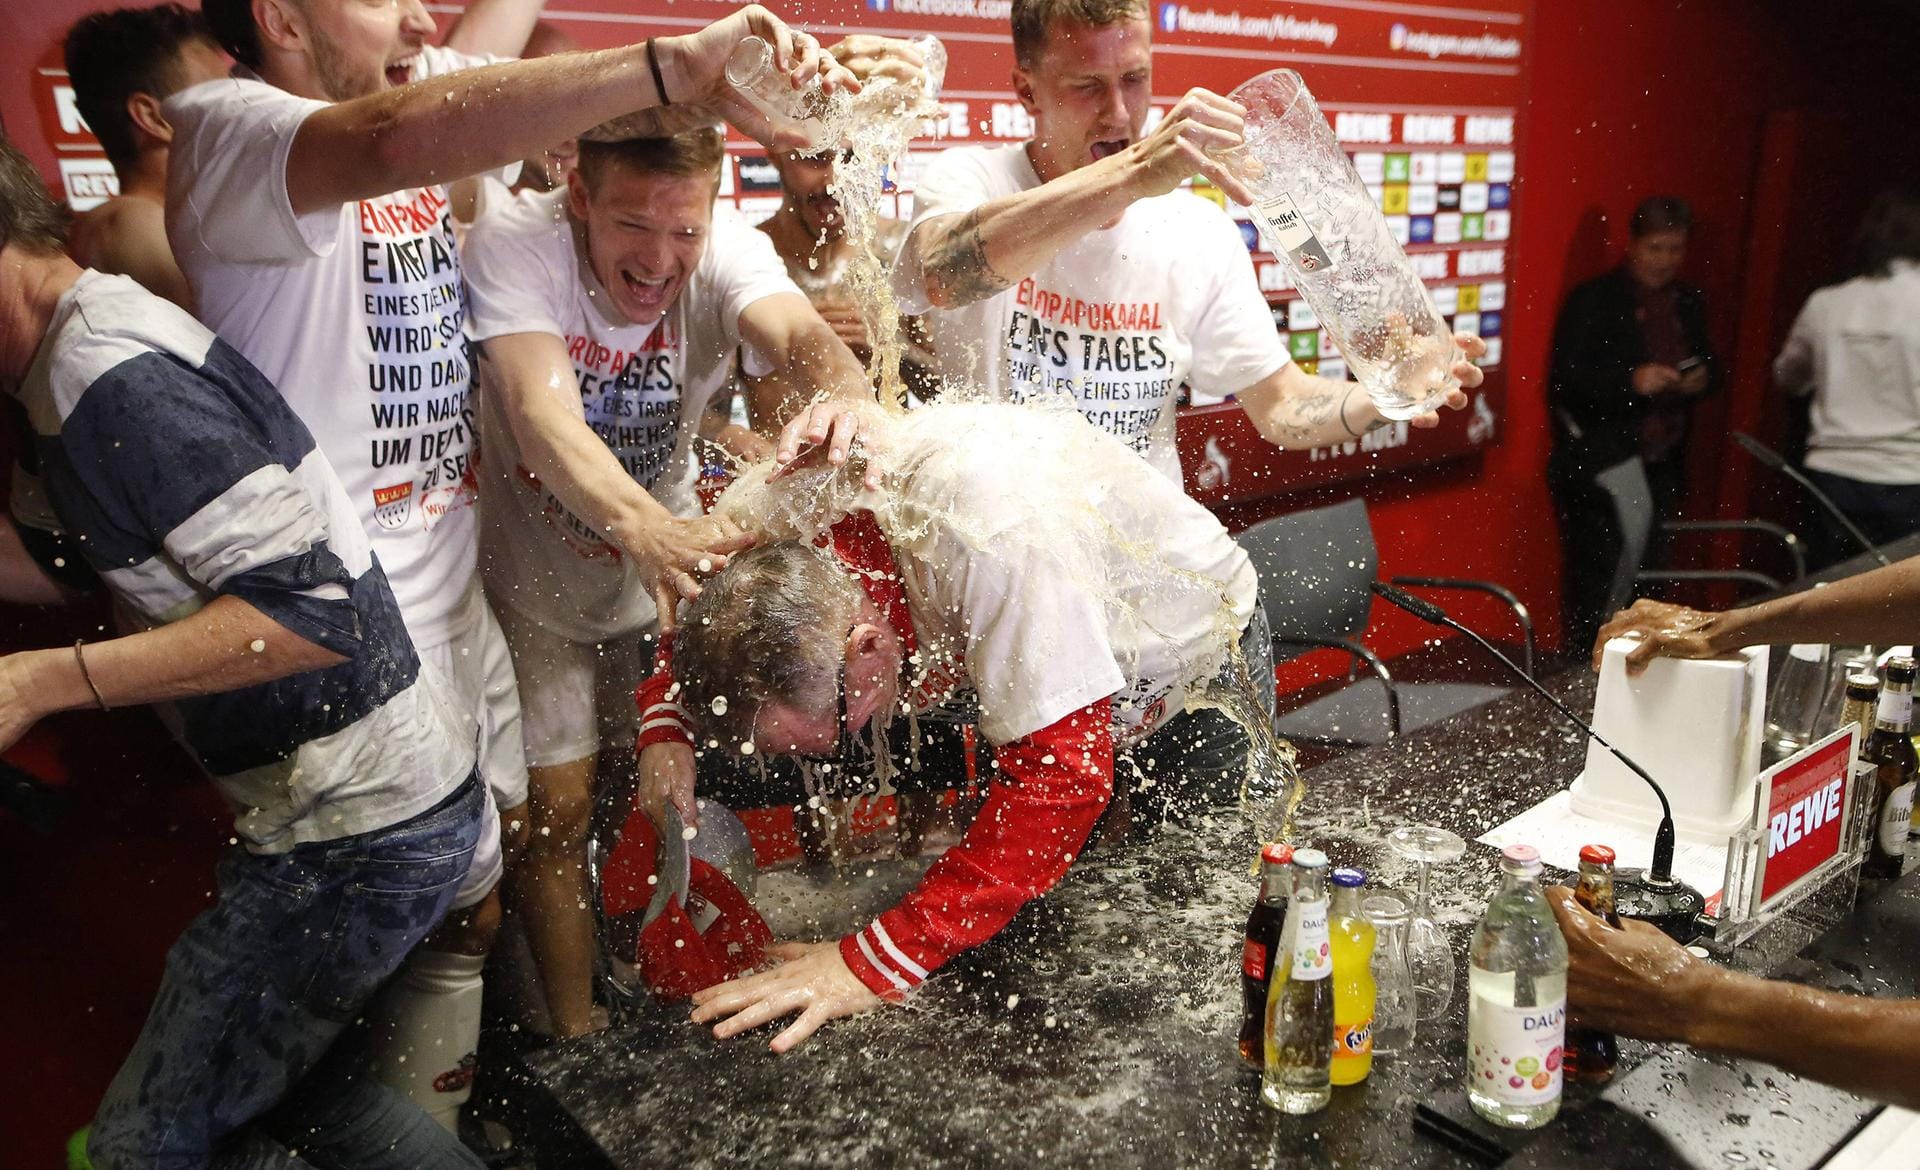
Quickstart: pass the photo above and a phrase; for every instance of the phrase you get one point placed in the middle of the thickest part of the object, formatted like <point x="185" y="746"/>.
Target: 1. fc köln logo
<point x="392" y="505"/>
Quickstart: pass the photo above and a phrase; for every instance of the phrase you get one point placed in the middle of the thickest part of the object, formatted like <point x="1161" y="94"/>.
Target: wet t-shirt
<point x="1117" y="321"/>
<point x="642" y="388"/>
<point x="357" y="314"/>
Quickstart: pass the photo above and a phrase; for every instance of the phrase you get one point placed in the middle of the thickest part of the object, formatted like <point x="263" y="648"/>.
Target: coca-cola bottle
<point x="1256" y="951"/>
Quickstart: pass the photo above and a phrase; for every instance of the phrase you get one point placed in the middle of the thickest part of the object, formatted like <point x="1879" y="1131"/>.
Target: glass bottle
<point x="1894" y="765"/>
<point x="1592" y="1054"/>
<point x="1257" y="950"/>
<point x="802" y="111"/>
<point x="1395" y="1012"/>
<point x="1863" y="701"/>
<point x="1352" y="938"/>
<point x="1300" y="999"/>
<point x="1793" y="703"/>
<point x="1517" y="1002"/>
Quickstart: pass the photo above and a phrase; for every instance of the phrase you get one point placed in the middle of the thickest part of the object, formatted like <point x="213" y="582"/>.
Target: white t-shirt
<point x="1856" y="348"/>
<point x="1044" y="568"/>
<point x="356" y="313"/>
<point x="1119" y="319"/>
<point x="643" y="389"/>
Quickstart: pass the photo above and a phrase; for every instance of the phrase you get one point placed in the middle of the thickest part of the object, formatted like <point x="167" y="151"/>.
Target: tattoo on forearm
<point x="957" y="269"/>
<point x="1303" y="418"/>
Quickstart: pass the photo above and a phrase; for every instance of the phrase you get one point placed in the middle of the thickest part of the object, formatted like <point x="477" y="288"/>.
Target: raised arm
<point x="497" y="28"/>
<point x="446" y="128"/>
<point x="967" y="257"/>
<point x="227" y="645"/>
<point x="540" y="400"/>
<point x="1877" y="608"/>
<point x="1295" y="409"/>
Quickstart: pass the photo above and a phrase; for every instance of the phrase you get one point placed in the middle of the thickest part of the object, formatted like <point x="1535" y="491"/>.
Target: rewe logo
<point x="1169" y="18"/>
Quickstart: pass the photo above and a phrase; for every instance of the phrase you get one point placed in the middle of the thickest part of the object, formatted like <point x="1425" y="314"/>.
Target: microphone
<point x="1771" y="458"/>
<point x="1661" y="871"/>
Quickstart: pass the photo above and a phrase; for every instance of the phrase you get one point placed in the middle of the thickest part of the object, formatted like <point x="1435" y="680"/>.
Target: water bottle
<point x="1300" y="998"/>
<point x="1517" y="1006"/>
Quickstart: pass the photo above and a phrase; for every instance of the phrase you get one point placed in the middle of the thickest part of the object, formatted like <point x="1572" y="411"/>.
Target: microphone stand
<point x="1670" y="904"/>
<point x="1771" y="458"/>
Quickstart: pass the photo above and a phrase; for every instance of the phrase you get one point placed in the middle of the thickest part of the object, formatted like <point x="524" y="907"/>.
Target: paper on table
<point x="1558" y="832"/>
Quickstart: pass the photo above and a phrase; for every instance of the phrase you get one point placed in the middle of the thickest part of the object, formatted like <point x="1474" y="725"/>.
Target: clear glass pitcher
<point x="1395" y="1012"/>
<point x="1320" y="221"/>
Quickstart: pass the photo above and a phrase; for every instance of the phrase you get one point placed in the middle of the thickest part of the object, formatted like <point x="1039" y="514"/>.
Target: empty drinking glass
<point x="1429" y="954"/>
<point x="1395" y="1012"/>
<point x="1793" y="702"/>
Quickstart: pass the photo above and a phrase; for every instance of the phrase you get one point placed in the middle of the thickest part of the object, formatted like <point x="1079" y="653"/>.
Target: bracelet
<point x="659" y="82"/>
<point x="1343" y="413"/>
<point x="88" y="675"/>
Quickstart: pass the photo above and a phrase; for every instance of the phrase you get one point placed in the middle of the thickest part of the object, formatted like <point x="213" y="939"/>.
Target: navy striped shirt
<point x="181" y="475"/>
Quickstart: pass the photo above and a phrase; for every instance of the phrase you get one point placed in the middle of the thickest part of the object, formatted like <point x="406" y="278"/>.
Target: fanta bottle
<point x="1353" y="992"/>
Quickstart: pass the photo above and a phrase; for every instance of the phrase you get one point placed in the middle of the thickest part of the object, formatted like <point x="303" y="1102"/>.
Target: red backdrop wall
<point x="1775" y="119"/>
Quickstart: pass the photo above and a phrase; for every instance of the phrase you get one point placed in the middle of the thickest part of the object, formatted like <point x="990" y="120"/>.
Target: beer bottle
<point x="1592" y="1054"/>
<point x="1256" y="951"/>
<point x="1863" y="700"/>
<point x="1300" y="998"/>
<point x="1893" y="776"/>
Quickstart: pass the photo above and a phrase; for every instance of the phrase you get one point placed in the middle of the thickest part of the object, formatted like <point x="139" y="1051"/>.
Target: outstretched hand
<point x="1662" y="630"/>
<point x="812" y="979"/>
<point x="1186" y="142"/>
<point x="826" y="430"/>
<point x="1464" y="372"/>
<point x="1629" y="979"/>
<point x="671" y="551"/>
<point x="694" y="69"/>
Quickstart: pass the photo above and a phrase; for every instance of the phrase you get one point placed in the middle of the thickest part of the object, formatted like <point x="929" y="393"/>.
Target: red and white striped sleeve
<point x="1052" y="787"/>
<point x="662" y="718"/>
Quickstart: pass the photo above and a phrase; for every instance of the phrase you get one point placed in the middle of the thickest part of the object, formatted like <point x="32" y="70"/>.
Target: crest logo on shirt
<point x="393" y="505"/>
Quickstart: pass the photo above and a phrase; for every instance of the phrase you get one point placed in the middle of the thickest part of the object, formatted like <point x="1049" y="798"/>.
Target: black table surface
<point x="1098" y="1030"/>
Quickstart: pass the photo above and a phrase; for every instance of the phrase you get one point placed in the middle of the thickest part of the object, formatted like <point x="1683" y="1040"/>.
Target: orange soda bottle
<point x="1353" y="990"/>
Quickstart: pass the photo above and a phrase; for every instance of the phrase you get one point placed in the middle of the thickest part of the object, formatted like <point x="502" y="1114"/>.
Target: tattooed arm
<point x="1293" y="408"/>
<point x="968" y="257"/>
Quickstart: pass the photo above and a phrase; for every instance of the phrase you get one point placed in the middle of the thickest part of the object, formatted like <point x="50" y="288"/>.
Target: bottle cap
<point x="1309" y="859"/>
<point x="1521" y="854"/>
<point x="1596" y="854"/>
<point x="1349" y="877"/>
<point x="1278" y="853"/>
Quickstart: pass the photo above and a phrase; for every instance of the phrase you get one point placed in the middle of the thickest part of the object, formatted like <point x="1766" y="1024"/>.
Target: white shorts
<point x="577" y="697"/>
<point x="476" y="664"/>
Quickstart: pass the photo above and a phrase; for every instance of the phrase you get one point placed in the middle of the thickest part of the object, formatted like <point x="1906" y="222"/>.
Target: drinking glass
<point x="1429" y="954"/>
<point x="1395" y="1012"/>
<point x="1793" y="702"/>
<point x="1322" y="223"/>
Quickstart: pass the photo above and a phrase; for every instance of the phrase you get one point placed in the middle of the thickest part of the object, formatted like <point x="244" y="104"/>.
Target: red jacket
<point x="1050" y="788"/>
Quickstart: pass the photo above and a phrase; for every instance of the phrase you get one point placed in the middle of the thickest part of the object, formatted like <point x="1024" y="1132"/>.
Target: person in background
<point x="123" y="64"/>
<point x="809" y="230"/>
<point x="1631" y="358"/>
<point x="307" y="205"/>
<point x="1855" y="347"/>
<point x="267" y="625"/>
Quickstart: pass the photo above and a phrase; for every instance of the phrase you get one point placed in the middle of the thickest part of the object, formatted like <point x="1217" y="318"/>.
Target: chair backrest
<point x="1626" y="484"/>
<point x="1315" y="567"/>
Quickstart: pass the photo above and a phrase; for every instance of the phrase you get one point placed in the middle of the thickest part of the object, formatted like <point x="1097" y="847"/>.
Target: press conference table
<point x="1099" y="1028"/>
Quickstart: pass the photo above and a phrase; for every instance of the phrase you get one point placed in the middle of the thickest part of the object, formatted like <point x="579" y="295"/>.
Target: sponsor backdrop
<point x="1422" y="95"/>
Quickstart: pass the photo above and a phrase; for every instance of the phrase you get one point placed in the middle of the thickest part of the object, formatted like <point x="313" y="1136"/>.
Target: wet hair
<point x="233" y="26"/>
<point x="1890" y="231"/>
<point x="113" y="55"/>
<point x="1033" y="18"/>
<point x="30" y="220"/>
<point x="1660" y="213"/>
<point x="769" y="627"/>
<point x="684" y="155"/>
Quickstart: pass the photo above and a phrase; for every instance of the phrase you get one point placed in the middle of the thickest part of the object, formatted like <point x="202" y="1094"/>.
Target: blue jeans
<point x="229" y="1069"/>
